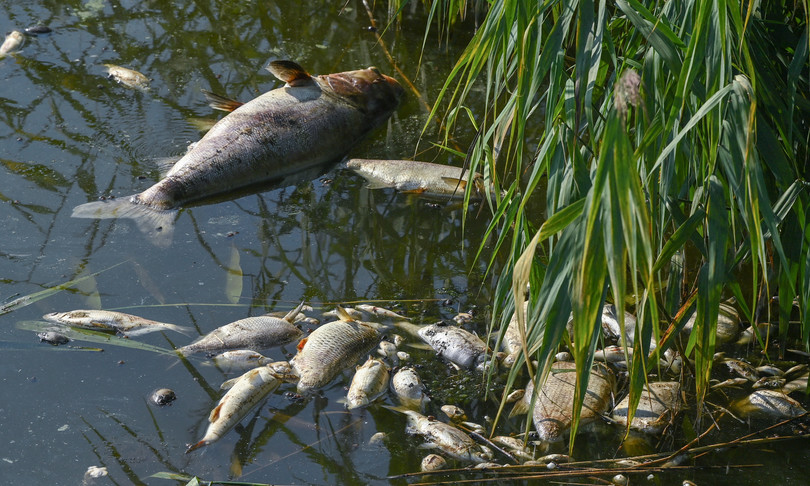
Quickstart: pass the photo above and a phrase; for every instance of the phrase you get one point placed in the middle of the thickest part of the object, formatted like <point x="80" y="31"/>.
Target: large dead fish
<point x="245" y="393"/>
<point x="252" y="333"/>
<point x="101" y="320"/>
<point x="553" y="408"/>
<point x="369" y="382"/>
<point x="414" y="177"/>
<point x="309" y="121"/>
<point x="330" y="349"/>
<point x="446" y="438"/>
<point x="455" y="344"/>
<point x="658" y="403"/>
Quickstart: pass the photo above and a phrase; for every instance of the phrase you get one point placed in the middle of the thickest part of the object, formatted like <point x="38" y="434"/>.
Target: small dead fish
<point x="329" y="350"/>
<point x="659" y="402"/>
<point x="446" y="438"/>
<point x="463" y="318"/>
<point x="454" y="413"/>
<point x="388" y="350"/>
<point x="772" y="382"/>
<point x="742" y="369"/>
<point x="455" y="344"/>
<point x="52" y="337"/>
<point x="342" y="312"/>
<point x="240" y="359"/>
<point x="251" y="333"/>
<point x="380" y="312"/>
<point x="369" y="382"/>
<point x="248" y="390"/>
<point x="163" y="396"/>
<point x="729" y="383"/>
<point x="512" y="343"/>
<point x="38" y="29"/>
<point x="408" y="388"/>
<point x="128" y="77"/>
<point x="414" y="177"/>
<point x="403" y="356"/>
<point x="433" y="462"/>
<point x="613" y="354"/>
<point x="13" y="41"/>
<point x="769" y="402"/>
<point x="101" y="320"/>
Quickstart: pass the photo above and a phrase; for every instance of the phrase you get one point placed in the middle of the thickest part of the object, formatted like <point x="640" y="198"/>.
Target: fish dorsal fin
<point x="219" y="102"/>
<point x="343" y="315"/>
<point x="290" y="317"/>
<point x="290" y="72"/>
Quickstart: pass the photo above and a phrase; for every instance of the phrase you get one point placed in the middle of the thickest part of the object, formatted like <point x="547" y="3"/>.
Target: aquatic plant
<point x="671" y="140"/>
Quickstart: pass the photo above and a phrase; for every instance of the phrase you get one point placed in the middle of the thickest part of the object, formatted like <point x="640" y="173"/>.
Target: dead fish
<point x="128" y="77"/>
<point x="12" y="42"/>
<point x="38" y="29"/>
<point x="741" y="368"/>
<point x="408" y="388"/>
<point x="454" y="413"/>
<point x="163" y="396"/>
<point x="511" y="342"/>
<point x="379" y="311"/>
<point x="728" y="324"/>
<point x="446" y="438"/>
<point x="748" y="335"/>
<point x="463" y="318"/>
<point x="414" y="177"/>
<point x="731" y="382"/>
<point x="769" y="402"/>
<point x="329" y="350"/>
<point x="769" y="382"/>
<point x="369" y="382"/>
<point x="388" y="350"/>
<point x="101" y="320"/>
<point x="310" y="121"/>
<point x="613" y="354"/>
<point x="659" y="402"/>
<point x="555" y="400"/>
<point x="250" y="333"/>
<point x="341" y="311"/>
<point x="611" y="328"/>
<point x="240" y="359"/>
<point x="52" y="337"/>
<point x="247" y="391"/>
<point x="455" y="344"/>
<point x="433" y="462"/>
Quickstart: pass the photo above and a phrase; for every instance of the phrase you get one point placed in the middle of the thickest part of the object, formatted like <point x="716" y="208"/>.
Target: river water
<point x="71" y="135"/>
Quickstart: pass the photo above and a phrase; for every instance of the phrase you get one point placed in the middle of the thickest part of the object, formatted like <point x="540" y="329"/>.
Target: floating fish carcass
<point x="240" y="359"/>
<point x="101" y="320"/>
<point x="512" y="342"/>
<point x="659" y="402"/>
<point x="773" y="403"/>
<point x="455" y="344"/>
<point x="408" y="388"/>
<point x="379" y="311"/>
<point x="553" y="408"/>
<point x="13" y="41"/>
<point x="728" y="324"/>
<point x="446" y="438"/>
<point x="245" y="393"/>
<point x="424" y="178"/>
<point x="252" y="333"/>
<point x="52" y="337"/>
<point x="329" y="350"/>
<point x="128" y="77"/>
<point x="310" y="121"/>
<point x="369" y="382"/>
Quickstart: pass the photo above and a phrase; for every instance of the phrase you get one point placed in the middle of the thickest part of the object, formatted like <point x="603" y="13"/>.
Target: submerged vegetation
<point x="672" y="142"/>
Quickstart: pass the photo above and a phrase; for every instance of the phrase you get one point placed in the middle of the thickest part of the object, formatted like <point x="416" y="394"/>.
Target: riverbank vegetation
<point x="668" y="142"/>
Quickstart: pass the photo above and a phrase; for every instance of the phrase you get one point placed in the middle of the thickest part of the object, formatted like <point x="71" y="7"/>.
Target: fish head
<point x="368" y="89"/>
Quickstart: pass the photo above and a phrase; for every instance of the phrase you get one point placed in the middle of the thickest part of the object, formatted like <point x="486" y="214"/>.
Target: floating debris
<point x="163" y="396"/>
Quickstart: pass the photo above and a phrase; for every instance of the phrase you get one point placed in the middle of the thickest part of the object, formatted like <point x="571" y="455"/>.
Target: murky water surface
<point x="69" y="135"/>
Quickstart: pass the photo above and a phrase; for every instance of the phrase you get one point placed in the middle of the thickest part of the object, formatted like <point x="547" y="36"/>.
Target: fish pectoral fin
<point x="301" y="344"/>
<point x="214" y="416"/>
<point x="219" y="102"/>
<point x="418" y="190"/>
<point x="290" y="72"/>
<point x="455" y="182"/>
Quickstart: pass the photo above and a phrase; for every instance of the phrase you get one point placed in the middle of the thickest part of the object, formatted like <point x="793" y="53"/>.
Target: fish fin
<point x="290" y="72"/>
<point x="194" y="447"/>
<point x="290" y="317"/>
<point x="219" y="102"/>
<point x="302" y="343"/>
<point x="521" y="407"/>
<point x="215" y="413"/>
<point x="228" y="384"/>
<point x="419" y="190"/>
<point x="343" y="315"/>
<point x="455" y="182"/>
<point x="156" y="224"/>
<point x="185" y="330"/>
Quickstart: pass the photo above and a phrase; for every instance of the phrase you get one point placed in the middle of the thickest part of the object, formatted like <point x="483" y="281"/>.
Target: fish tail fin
<point x="185" y="330"/>
<point x="219" y="102"/>
<point x="194" y="447"/>
<point x="156" y="224"/>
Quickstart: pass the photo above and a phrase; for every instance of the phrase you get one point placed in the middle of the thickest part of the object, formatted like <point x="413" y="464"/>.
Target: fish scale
<point x="329" y="350"/>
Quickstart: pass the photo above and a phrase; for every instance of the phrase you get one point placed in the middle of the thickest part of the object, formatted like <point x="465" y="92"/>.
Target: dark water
<point x="69" y="135"/>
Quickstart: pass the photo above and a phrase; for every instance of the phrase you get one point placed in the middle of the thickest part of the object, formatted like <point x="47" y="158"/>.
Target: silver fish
<point x="369" y="382"/>
<point x="240" y="359"/>
<point x="728" y="324"/>
<point x="408" y="388"/>
<point x="101" y="320"/>
<point x="433" y="462"/>
<point x="247" y="391"/>
<point x="310" y="121"/>
<point x="454" y="413"/>
<point x="455" y="344"/>
<point x="658" y="403"/>
<point x="446" y="438"/>
<point x="379" y="311"/>
<point x="128" y="77"/>
<point x="388" y="350"/>
<point x="424" y="178"/>
<point x="769" y="402"/>
<point x="251" y="333"/>
<point x="329" y="350"/>
<point x="12" y="42"/>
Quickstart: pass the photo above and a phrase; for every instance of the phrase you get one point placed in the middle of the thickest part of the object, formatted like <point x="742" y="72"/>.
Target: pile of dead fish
<point x="387" y="370"/>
